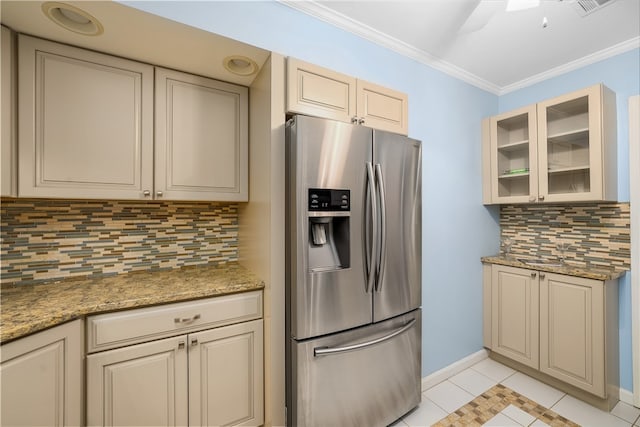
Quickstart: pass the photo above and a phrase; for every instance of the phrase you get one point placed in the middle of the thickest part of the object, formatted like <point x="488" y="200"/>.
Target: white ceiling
<point x="479" y="42"/>
<point x="137" y="35"/>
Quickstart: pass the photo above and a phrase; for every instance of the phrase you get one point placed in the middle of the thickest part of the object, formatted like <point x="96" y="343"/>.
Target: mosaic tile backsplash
<point x="55" y="239"/>
<point x="597" y="234"/>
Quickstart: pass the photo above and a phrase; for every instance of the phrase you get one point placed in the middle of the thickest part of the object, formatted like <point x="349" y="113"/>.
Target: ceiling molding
<point x="339" y="20"/>
<point x="609" y="52"/>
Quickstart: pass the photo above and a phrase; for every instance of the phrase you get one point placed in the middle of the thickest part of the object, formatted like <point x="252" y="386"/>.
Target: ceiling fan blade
<point x="481" y="15"/>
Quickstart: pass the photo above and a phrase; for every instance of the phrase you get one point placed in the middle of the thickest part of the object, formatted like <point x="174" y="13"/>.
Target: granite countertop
<point x="31" y="308"/>
<point x="588" y="272"/>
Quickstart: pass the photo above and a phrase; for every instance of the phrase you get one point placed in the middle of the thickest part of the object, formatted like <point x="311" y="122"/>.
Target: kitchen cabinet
<point x="85" y="123"/>
<point x="201" y="138"/>
<point x="321" y="92"/>
<point x="559" y="150"/>
<point x="41" y="378"/>
<point x="514" y="314"/>
<point x="194" y="363"/>
<point x="576" y="342"/>
<point x="86" y="129"/>
<point x="8" y="155"/>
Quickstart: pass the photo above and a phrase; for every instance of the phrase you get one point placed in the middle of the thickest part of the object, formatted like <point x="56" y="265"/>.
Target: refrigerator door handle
<point x="373" y="246"/>
<point x="324" y="351"/>
<point x="383" y="228"/>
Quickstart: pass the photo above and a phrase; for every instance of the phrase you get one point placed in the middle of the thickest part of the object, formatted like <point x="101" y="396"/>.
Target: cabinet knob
<point x="194" y="341"/>
<point x="180" y="345"/>
<point x="542" y="276"/>
<point x="158" y="193"/>
<point x="146" y="193"/>
<point x="533" y="275"/>
<point x="532" y="199"/>
<point x="354" y="120"/>
<point x="360" y="121"/>
<point x="541" y="198"/>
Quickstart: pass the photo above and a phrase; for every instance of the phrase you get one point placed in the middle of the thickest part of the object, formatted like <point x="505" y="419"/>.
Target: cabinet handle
<point x="194" y="341"/>
<point x="186" y="319"/>
<point x="542" y="276"/>
<point x="146" y="193"/>
<point x="180" y="345"/>
<point x="541" y="198"/>
<point x="158" y="193"/>
<point x="360" y="121"/>
<point x="533" y="275"/>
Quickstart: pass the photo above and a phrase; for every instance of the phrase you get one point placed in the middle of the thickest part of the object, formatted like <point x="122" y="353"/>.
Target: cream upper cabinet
<point x="514" y="314"/>
<point x="41" y="378"/>
<point x="321" y="92"/>
<point x="8" y="155"/>
<point x="85" y="123"/>
<point x="86" y="129"/>
<point x="572" y="331"/>
<point x="201" y="140"/>
<point x="559" y="150"/>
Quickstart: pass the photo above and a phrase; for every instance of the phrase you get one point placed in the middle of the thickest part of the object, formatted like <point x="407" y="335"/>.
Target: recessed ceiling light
<point x="240" y="65"/>
<point x="72" y="18"/>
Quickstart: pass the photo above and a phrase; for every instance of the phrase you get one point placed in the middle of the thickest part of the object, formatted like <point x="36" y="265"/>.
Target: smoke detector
<point x="587" y="7"/>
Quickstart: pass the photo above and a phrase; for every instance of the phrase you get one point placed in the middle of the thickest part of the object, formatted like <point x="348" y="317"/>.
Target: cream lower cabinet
<point x="514" y="314"/>
<point x="572" y="331"/>
<point x="563" y="326"/>
<point x="321" y="92"/>
<point x="41" y="378"/>
<point x="209" y="377"/>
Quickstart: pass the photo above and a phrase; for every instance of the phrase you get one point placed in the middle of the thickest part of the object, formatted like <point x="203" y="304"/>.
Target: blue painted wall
<point x="621" y="74"/>
<point x="445" y="114"/>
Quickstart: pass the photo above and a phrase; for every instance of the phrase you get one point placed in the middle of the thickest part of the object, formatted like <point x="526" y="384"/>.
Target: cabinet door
<point x="382" y="108"/>
<point x="320" y="92"/>
<point x="514" y="314"/>
<point x="85" y="123"/>
<point x="513" y="156"/>
<point x="144" y="384"/>
<point x="575" y="148"/>
<point x="572" y="343"/>
<point x="201" y="138"/>
<point x="226" y="376"/>
<point x="8" y="155"/>
<point x="41" y="378"/>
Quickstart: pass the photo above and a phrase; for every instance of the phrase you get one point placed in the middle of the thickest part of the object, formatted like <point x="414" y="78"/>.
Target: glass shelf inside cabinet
<point x="568" y="146"/>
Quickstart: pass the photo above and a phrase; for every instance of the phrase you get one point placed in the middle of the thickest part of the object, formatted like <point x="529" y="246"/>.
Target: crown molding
<point x="609" y="52"/>
<point x="339" y="20"/>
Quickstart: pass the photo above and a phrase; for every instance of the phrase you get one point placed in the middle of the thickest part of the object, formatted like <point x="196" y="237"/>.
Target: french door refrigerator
<point x="353" y="283"/>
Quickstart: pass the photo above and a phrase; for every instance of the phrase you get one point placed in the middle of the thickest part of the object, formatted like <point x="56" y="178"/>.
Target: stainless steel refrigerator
<point x="353" y="288"/>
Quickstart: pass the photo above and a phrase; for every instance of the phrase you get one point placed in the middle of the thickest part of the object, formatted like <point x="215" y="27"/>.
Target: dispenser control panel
<point x="326" y="200"/>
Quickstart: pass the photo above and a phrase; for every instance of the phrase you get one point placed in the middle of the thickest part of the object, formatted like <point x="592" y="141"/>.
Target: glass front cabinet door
<point x="576" y="146"/>
<point x="514" y="162"/>
<point x="559" y="150"/>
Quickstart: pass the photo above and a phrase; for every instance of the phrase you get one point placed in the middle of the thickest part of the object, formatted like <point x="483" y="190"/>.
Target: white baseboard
<point x="626" y="396"/>
<point x="448" y="371"/>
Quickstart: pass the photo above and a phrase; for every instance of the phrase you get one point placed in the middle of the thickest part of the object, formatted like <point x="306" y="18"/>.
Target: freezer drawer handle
<point x="323" y="351"/>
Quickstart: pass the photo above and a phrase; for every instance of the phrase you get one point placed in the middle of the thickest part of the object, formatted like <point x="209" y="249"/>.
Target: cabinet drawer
<point x="106" y="331"/>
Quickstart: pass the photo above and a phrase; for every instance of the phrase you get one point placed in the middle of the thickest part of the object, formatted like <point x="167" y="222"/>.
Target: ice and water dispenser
<point x="328" y="213"/>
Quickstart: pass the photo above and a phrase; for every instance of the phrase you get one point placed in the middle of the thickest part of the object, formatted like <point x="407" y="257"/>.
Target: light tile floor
<point x="450" y="395"/>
